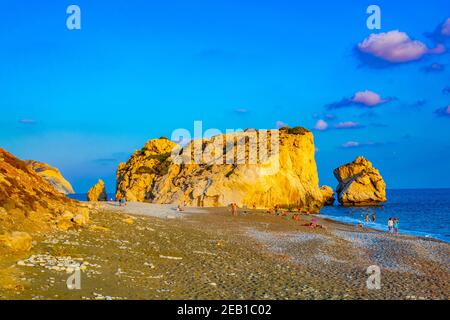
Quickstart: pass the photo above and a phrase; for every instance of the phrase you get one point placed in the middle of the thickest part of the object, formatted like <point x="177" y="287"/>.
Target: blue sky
<point x="84" y="100"/>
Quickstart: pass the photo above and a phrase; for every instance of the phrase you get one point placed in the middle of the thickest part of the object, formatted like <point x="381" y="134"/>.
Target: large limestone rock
<point x="52" y="176"/>
<point x="28" y="203"/>
<point x="135" y="178"/>
<point x="360" y="184"/>
<point x="287" y="178"/>
<point x="97" y="192"/>
<point x="328" y="195"/>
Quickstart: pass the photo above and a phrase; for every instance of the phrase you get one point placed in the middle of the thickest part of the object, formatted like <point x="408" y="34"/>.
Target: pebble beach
<point x="147" y="251"/>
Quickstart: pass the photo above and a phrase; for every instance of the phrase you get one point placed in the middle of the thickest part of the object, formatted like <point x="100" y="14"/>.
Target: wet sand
<point x="153" y="252"/>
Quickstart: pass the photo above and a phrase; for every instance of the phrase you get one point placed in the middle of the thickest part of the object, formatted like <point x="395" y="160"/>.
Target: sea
<point x="421" y="212"/>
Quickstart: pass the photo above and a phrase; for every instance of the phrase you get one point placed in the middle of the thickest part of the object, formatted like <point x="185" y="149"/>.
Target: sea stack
<point x="360" y="184"/>
<point x="328" y="195"/>
<point x="286" y="178"/>
<point x="97" y="192"/>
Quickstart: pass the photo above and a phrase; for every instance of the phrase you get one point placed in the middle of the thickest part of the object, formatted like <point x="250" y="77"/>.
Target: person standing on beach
<point x="374" y="217"/>
<point x="234" y="209"/>
<point x="395" y="224"/>
<point x="367" y="218"/>
<point x="277" y="209"/>
<point x="390" y="225"/>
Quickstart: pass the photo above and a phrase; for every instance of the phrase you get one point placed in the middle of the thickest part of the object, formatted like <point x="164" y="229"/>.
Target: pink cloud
<point x="365" y="98"/>
<point x="446" y="28"/>
<point x="241" y="110"/>
<point x="396" y="47"/>
<point x="27" y="121"/>
<point x="348" y="125"/>
<point x="368" y="98"/>
<point x="350" y="144"/>
<point x="355" y="144"/>
<point x="321" y="125"/>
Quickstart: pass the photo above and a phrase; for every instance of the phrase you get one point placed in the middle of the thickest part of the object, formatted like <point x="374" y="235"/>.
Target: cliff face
<point x="360" y="184"/>
<point x="287" y="178"/>
<point x="29" y="203"/>
<point x="52" y="176"/>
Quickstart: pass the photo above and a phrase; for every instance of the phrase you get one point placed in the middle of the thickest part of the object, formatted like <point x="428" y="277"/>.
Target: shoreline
<point x="401" y="234"/>
<point x="411" y="224"/>
<point x="320" y="216"/>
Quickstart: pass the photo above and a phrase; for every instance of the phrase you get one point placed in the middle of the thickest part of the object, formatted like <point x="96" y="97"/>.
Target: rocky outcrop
<point x="360" y="184"/>
<point x="97" y="192"/>
<point x="52" y="176"/>
<point x="228" y="173"/>
<point x="28" y="203"/>
<point x="135" y="178"/>
<point x="68" y="219"/>
<point x="328" y="195"/>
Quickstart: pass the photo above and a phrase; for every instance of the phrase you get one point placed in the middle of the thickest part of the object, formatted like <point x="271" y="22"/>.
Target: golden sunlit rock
<point x="360" y="184"/>
<point x="51" y="175"/>
<point x="287" y="178"/>
<point x="97" y="192"/>
<point x="328" y="195"/>
<point x="29" y="202"/>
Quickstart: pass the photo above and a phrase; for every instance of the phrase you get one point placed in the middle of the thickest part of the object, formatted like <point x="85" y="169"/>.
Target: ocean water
<point x="421" y="212"/>
<point x="83" y="196"/>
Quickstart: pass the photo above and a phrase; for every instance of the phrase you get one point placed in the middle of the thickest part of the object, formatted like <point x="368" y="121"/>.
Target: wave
<point x="382" y="227"/>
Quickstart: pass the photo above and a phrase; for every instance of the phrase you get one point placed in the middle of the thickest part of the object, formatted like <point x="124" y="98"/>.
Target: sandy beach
<point x="147" y="251"/>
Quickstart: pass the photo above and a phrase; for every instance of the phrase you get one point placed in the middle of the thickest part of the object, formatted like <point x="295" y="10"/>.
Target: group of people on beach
<point x="373" y="217"/>
<point x="276" y="210"/>
<point x="393" y="225"/>
<point x="120" y="201"/>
